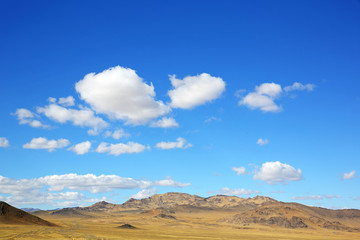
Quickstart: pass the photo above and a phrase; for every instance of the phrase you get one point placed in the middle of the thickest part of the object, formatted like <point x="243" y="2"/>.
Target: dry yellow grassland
<point x="185" y="226"/>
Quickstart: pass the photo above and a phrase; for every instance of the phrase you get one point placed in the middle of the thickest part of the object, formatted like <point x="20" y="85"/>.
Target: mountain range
<point x="232" y="210"/>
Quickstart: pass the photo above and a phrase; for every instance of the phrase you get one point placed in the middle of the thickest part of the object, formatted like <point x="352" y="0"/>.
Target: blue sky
<point x="118" y="99"/>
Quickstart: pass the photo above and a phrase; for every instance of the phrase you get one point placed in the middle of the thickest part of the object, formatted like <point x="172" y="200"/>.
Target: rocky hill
<point x="292" y="215"/>
<point x="100" y="207"/>
<point x="173" y="199"/>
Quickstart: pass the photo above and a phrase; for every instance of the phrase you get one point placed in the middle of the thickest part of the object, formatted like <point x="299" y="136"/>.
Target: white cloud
<point x="83" y="117"/>
<point x="165" y="123"/>
<point x="121" y="148"/>
<point x="269" y="89"/>
<point x="92" y="183"/>
<point x="316" y="197"/>
<point x="299" y="87"/>
<point x="180" y="143"/>
<point x="233" y="192"/>
<point x="262" y="142"/>
<point x="239" y="170"/>
<point x="349" y="175"/>
<point x="331" y="196"/>
<point x="264" y="103"/>
<point x="275" y="172"/>
<point x="17" y="187"/>
<point x="211" y="119"/>
<point x="65" y="196"/>
<point x="263" y="98"/>
<point x="55" y="199"/>
<point x="37" y="124"/>
<point x="25" y="116"/>
<point x="52" y="100"/>
<point x="121" y="94"/>
<point x="4" y="142"/>
<point x="240" y="93"/>
<point x="117" y="134"/>
<point x="193" y="91"/>
<point x="54" y="189"/>
<point x="169" y="182"/>
<point x="145" y="193"/>
<point x="67" y="101"/>
<point x="311" y="197"/>
<point x="81" y="148"/>
<point x="43" y="143"/>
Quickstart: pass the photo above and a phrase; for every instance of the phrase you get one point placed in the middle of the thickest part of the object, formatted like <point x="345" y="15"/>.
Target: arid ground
<point x="195" y="228"/>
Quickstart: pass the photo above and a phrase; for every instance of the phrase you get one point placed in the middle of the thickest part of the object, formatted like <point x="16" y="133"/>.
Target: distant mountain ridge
<point x="30" y="209"/>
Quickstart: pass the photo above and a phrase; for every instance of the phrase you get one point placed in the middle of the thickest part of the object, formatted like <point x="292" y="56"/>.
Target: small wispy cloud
<point x="121" y="148"/>
<point x="349" y="175"/>
<point x="240" y="93"/>
<point x="169" y="182"/>
<point x="316" y="197"/>
<point x="180" y="143"/>
<point x="212" y="119"/>
<point x="117" y="134"/>
<point x="299" y="87"/>
<point x="262" y="141"/>
<point x="25" y="116"/>
<point x="64" y="101"/>
<point x="310" y="197"/>
<point x="240" y="170"/>
<point x="236" y="192"/>
<point x="165" y="122"/>
<point x="264" y="96"/>
<point x="331" y="196"/>
<point x="4" y="142"/>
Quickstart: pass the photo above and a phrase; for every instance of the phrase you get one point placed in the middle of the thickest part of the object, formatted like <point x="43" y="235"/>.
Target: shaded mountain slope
<point x="12" y="215"/>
